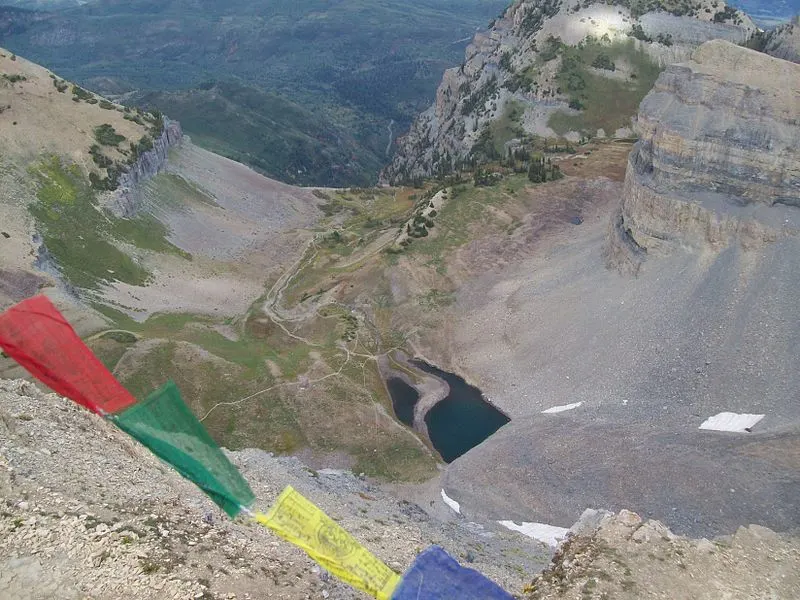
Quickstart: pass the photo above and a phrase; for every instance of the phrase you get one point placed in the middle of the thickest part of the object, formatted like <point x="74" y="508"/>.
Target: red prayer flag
<point x="38" y="337"/>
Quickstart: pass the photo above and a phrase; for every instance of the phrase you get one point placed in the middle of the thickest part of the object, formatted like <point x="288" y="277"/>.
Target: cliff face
<point x="784" y="41"/>
<point x="541" y="58"/>
<point x="719" y="154"/>
<point x="125" y="200"/>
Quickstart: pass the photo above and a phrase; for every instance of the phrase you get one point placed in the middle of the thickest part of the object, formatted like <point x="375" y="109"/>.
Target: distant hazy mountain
<point x="347" y="75"/>
<point x="769" y="12"/>
<point x="46" y="4"/>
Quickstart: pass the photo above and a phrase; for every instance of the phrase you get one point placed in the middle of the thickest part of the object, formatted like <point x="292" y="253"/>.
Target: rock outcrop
<point x="719" y="154"/>
<point x="513" y="78"/>
<point x="125" y="200"/>
<point x="783" y="41"/>
<point x="624" y="556"/>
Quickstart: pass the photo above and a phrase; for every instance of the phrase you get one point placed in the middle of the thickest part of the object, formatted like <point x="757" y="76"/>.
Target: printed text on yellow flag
<point x="299" y="521"/>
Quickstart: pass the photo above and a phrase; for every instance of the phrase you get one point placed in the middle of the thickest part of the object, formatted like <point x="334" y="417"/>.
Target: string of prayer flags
<point x="40" y="339"/>
<point x="437" y="575"/>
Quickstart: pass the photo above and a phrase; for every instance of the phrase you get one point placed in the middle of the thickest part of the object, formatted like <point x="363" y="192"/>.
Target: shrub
<point x="157" y="122"/>
<point x="541" y="170"/>
<point x="80" y="93"/>
<point x="482" y="178"/>
<point x="664" y="38"/>
<point x="639" y="34"/>
<point x="105" y="104"/>
<point x="109" y="183"/>
<point x="505" y="61"/>
<point x="575" y="103"/>
<point x="14" y="78"/>
<point x="480" y="97"/>
<point x="106" y="135"/>
<point x="135" y="119"/>
<point x="553" y="48"/>
<point x="145" y="144"/>
<point x="729" y="13"/>
<point x="603" y="61"/>
<point x="100" y="159"/>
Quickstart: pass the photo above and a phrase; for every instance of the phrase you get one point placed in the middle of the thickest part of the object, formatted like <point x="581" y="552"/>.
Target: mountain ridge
<point x="333" y="75"/>
<point x="278" y="310"/>
<point x="554" y="69"/>
<point x="697" y="321"/>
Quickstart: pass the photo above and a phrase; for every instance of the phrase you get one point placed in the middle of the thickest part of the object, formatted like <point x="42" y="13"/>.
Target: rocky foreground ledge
<point x="87" y="513"/>
<point x="622" y="557"/>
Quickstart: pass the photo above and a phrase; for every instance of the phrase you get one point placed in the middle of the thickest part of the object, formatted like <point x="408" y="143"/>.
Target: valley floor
<point x="511" y="287"/>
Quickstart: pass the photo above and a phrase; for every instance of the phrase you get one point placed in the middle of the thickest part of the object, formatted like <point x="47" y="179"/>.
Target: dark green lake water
<point x="456" y="424"/>
<point x="404" y="399"/>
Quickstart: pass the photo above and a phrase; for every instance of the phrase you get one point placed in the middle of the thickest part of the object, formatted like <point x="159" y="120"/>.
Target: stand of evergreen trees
<point x="541" y="170"/>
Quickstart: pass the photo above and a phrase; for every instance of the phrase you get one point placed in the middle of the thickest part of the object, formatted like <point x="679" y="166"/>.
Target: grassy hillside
<point x="354" y="65"/>
<point x="606" y="82"/>
<point x="209" y="241"/>
<point x="83" y="239"/>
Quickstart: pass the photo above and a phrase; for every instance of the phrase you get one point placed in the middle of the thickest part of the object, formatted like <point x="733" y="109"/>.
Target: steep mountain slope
<point x="84" y="512"/>
<point x="555" y="68"/>
<point x="782" y="41"/>
<point x="175" y="274"/>
<point x="73" y="164"/>
<point x="87" y="512"/>
<point x="339" y="77"/>
<point x="709" y="222"/>
<point x="43" y="117"/>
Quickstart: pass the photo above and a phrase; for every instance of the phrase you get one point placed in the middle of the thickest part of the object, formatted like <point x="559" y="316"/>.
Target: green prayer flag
<point x="164" y="424"/>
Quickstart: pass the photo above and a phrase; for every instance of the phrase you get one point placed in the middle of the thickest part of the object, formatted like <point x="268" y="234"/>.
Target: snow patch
<point x="549" y="534"/>
<point x="558" y="409"/>
<point x="728" y="421"/>
<point x="451" y="503"/>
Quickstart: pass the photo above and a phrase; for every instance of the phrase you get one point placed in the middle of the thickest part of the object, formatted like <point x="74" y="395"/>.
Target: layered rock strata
<point x="718" y="156"/>
<point x="125" y="200"/>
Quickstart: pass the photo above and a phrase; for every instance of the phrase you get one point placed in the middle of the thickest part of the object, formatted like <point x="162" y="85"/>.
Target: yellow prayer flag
<point x="300" y="522"/>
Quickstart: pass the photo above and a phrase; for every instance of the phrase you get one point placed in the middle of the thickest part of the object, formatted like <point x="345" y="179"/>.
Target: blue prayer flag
<point x="436" y="575"/>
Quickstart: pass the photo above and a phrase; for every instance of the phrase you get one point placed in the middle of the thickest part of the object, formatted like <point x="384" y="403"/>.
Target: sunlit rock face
<point x="509" y="69"/>
<point x="719" y="152"/>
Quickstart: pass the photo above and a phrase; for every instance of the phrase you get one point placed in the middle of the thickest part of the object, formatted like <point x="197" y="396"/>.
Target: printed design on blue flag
<point x="436" y="575"/>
